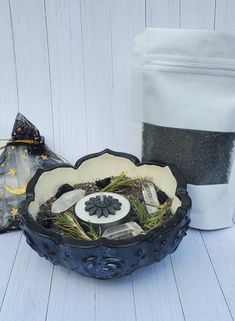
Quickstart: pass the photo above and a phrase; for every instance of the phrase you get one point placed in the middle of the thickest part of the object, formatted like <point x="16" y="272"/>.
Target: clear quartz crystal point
<point x="123" y="231"/>
<point x="150" y="197"/>
<point x="67" y="200"/>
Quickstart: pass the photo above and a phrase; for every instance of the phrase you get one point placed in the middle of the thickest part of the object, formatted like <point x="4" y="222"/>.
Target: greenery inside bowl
<point x="98" y="256"/>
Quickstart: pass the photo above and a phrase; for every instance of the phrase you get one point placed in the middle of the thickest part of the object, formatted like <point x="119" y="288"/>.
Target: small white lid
<point x="119" y="214"/>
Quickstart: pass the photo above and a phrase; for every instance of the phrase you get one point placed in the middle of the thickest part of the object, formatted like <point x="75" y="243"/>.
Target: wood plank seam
<point x="18" y="245"/>
<point x="49" y="73"/>
<point x="145" y="13"/>
<point x="177" y="288"/>
<point x="215" y="15"/>
<point x="84" y="78"/>
<point x="217" y="278"/>
<point x="53" y="130"/>
<point x="14" y="55"/>
<point x="133" y="293"/>
<point x="95" y="302"/>
<point x="179" y="22"/>
<point x="49" y="293"/>
<point x="112" y="77"/>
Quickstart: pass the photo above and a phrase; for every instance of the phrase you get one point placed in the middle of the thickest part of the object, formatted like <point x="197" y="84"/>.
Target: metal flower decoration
<point x="102" y="205"/>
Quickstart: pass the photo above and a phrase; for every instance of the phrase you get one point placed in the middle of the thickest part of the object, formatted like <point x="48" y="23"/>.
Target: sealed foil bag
<point x="21" y="157"/>
<point x="183" y="94"/>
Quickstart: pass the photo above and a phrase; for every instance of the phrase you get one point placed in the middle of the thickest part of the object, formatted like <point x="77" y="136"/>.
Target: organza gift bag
<point x="183" y="88"/>
<point x="21" y="157"/>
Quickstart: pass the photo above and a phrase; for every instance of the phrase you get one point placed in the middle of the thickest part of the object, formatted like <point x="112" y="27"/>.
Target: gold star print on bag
<point x="21" y="157"/>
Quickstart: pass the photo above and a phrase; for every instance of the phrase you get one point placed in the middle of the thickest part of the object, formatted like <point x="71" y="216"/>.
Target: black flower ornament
<point x="102" y="205"/>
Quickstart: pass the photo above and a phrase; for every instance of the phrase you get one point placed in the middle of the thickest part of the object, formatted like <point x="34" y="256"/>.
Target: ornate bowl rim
<point x="180" y="214"/>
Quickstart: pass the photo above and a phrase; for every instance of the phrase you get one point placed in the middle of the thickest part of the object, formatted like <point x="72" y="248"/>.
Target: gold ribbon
<point x="28" y="141"/>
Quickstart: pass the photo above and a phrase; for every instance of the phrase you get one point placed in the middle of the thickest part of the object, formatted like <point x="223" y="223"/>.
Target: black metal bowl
<point x="105" y="258"/>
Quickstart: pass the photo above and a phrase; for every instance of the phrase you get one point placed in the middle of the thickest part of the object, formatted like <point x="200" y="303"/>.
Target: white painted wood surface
<point x="66" y="65"/>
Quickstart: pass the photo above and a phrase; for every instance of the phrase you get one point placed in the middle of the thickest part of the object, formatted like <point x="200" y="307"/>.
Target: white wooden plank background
<point x="66" y="65"/>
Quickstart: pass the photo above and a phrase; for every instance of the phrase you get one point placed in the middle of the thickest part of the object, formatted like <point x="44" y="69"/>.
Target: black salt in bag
<point x="21" y="157"/>
<point x="183" y="93"/>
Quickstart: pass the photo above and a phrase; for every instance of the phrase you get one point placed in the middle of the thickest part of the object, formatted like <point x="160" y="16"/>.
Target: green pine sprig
<point x="67" y="224"/>
<point x="150" y="221"/>
<point x="119" y="184"/>
<point x="92" y="233"/>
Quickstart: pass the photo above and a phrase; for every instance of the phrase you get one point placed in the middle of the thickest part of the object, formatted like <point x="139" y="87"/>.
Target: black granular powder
<point x="204" y="157"/>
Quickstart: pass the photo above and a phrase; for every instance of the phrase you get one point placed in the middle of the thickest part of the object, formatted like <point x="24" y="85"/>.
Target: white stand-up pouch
<point x="183" y="92"/>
